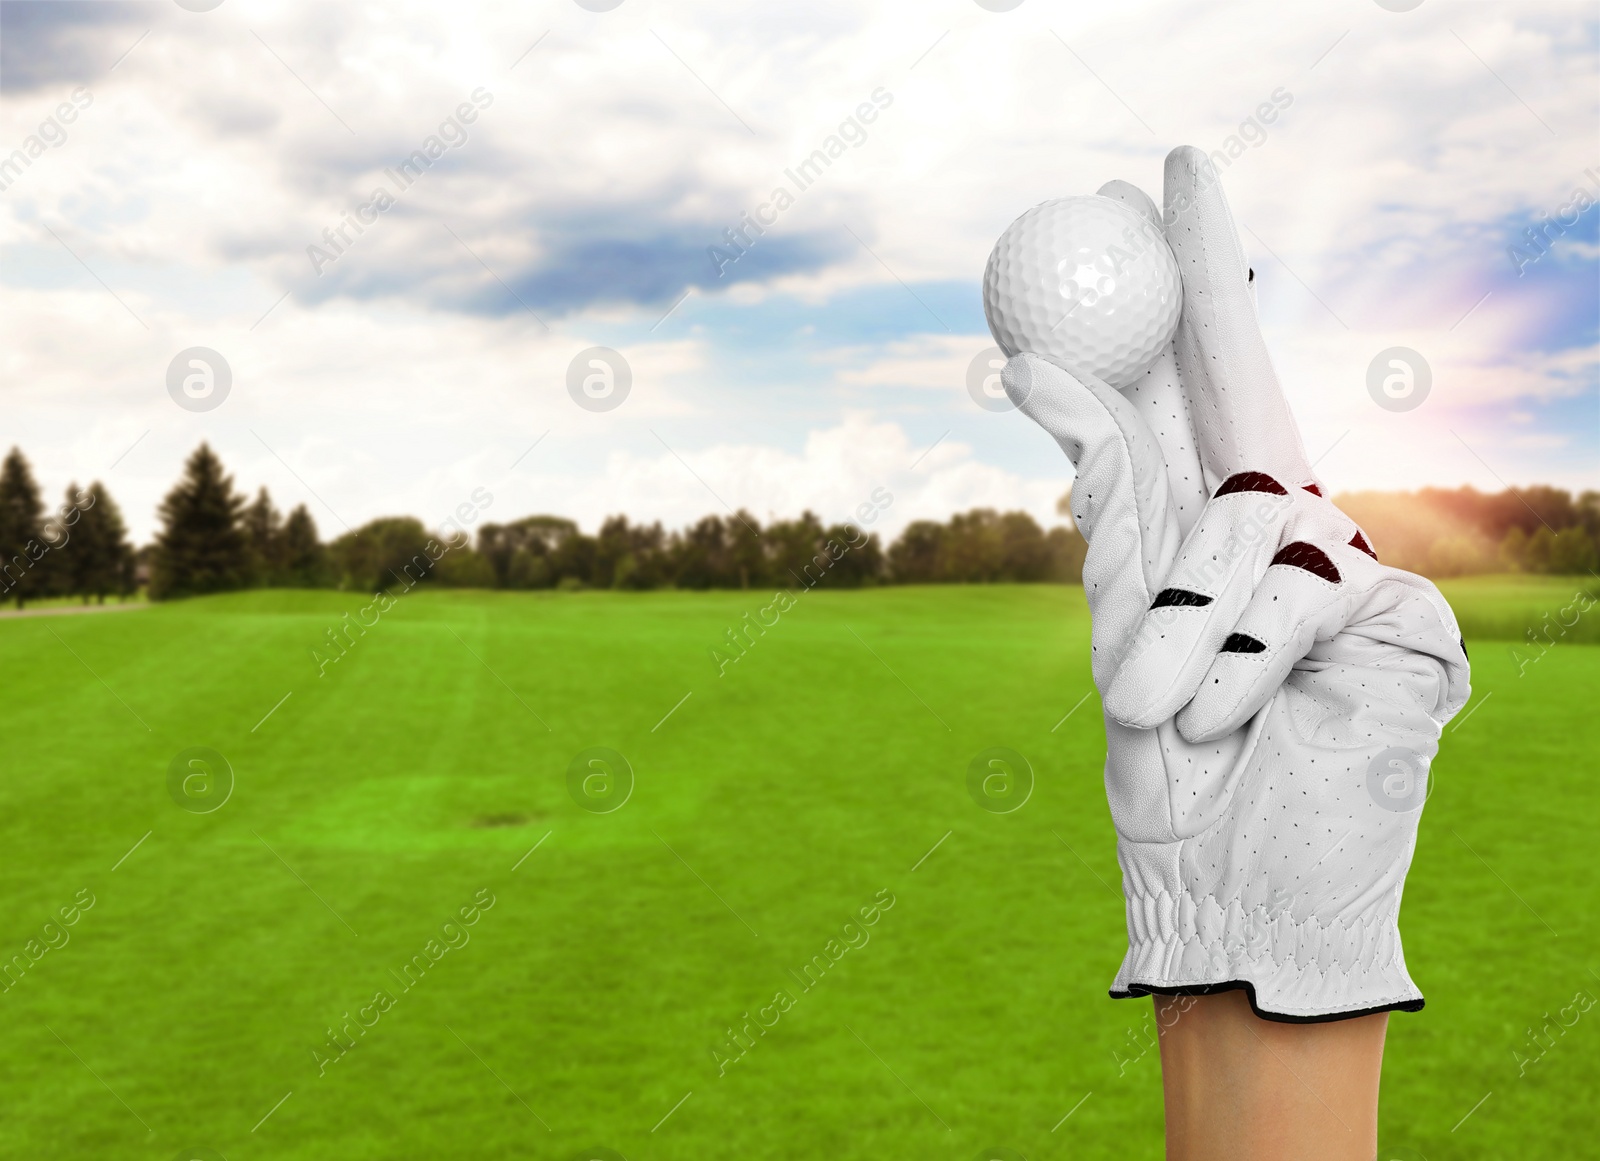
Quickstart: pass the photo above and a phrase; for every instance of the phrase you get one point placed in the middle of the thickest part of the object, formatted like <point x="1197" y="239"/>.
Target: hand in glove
<point x="1273" y="695"/>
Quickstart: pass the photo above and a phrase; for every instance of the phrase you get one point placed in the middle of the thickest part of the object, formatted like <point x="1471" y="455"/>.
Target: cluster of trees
<point x="214" y="539"/>
<point x="736" y="552"/>
<point x="80" y="549"/>
<point x="984" y="545"/>
<point x="1441" y="532"/>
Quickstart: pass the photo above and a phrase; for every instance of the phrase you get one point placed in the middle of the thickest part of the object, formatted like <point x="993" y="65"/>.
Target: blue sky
<point x="608" y="152"/>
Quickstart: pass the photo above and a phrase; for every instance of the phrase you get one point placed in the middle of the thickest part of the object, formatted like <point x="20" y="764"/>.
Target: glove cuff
<point x="1296" y="971"/>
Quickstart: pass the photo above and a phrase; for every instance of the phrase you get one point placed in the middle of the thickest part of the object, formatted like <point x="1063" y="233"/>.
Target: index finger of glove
<point x="1157" y="395"/>
<point x="1240" y="416"/>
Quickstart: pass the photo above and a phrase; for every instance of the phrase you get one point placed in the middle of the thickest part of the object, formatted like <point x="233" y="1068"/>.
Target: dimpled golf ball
<point x="1087" y="282"/>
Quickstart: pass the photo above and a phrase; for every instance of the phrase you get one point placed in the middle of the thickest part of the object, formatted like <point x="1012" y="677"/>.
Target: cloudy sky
<point x="172" y="202"/>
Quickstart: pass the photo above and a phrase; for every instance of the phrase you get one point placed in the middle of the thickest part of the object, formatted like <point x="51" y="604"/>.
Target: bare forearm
<point x="1239" y="1088"/>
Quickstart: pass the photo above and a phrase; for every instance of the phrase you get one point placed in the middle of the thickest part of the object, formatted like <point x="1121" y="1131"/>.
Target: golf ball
<point x="1086" y="281"/>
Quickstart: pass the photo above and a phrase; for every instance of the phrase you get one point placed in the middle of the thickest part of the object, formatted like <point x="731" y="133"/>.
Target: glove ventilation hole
<point x="1250" y="482"/>
<point x="1360" y="541"/>
<point x="1168" y="598"/>
<point x="1299" y="554"/>
<point x="1242" y="643"/>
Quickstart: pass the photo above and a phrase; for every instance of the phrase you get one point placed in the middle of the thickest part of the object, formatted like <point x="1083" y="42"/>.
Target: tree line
<point x="1442" y="532"/>
<point x="215" y="539"/>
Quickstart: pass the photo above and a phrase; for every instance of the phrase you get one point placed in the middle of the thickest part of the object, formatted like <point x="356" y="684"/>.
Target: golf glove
<point x="1273" y="695"/>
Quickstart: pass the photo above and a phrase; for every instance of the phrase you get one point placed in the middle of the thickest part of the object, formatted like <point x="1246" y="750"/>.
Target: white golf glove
<point x="1273" y="695"/>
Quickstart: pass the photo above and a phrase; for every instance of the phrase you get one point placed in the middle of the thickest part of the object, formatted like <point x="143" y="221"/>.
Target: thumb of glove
<point x="1121" y="499"/>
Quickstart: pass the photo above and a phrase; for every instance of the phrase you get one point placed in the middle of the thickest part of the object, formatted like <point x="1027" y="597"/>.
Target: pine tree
<point x="202" y="547"/>
<point x="263" y="527"/>
<point x="84" y="547"/>
<point x="119" y="567"/>
<point x="98" y="558"/>
<point x="52" y="570"/>
<point x="304" y="558"/>
<point x="22" y="541"/>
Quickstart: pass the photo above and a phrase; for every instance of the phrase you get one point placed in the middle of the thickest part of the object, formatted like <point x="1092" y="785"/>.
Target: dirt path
<point x="71" y="610"/>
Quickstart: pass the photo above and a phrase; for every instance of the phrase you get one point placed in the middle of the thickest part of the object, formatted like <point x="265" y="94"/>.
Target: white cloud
<point x="930" y="362"/>
<point x="836" y="471"/>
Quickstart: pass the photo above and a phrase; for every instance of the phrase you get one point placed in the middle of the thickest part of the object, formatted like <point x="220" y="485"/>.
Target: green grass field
<point x="220" y="956"/>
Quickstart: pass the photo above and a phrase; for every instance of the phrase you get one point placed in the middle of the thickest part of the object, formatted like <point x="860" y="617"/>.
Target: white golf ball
<point x="1086" y="281"/>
